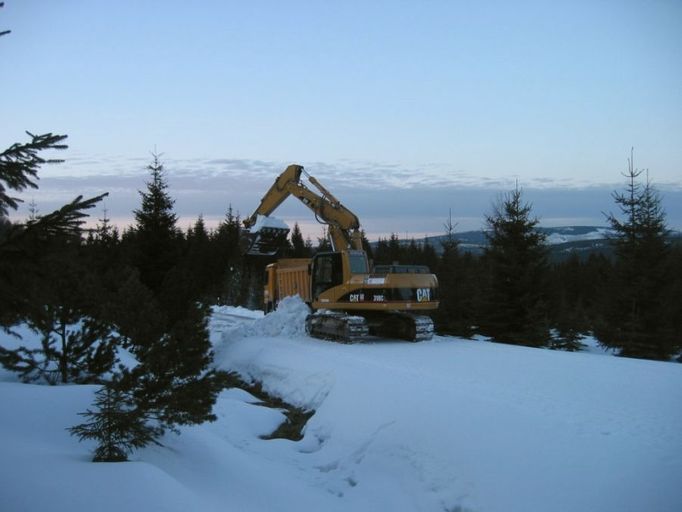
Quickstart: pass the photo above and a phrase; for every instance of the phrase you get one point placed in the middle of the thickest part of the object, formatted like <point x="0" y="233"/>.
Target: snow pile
<point x="287" y="320"/>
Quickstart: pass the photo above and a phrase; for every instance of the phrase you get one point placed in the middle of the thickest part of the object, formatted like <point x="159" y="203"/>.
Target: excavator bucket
<point x="266" y="236"/>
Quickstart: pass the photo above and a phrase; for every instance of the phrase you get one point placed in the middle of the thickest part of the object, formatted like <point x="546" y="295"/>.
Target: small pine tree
<point x="117" y="425"/>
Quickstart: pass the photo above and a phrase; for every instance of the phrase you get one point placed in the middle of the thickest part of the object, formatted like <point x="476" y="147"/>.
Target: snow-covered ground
<point x="565" y="235"/>
<point x="443" y="425"/>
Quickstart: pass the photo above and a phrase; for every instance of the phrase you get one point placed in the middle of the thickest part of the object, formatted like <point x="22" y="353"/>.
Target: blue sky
<point x="405" y="109"/>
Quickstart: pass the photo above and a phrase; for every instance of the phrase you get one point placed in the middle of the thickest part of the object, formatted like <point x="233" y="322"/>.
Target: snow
<point x="444" y="425"/>
<point x="563" y="237"/>
<point x="263" y="221"/>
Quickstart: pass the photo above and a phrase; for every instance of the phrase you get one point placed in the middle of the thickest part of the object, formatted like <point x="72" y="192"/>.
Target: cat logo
<point x="423" y="294"/>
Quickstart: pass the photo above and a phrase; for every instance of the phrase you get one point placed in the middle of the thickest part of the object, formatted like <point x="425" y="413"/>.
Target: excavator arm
<point x="343" y="225"/>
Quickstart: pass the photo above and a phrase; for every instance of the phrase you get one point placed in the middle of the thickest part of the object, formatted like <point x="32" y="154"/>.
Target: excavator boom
<point x="343" y="225"/>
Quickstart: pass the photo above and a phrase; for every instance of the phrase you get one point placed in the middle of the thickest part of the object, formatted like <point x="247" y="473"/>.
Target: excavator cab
<point x="327" y="272"/>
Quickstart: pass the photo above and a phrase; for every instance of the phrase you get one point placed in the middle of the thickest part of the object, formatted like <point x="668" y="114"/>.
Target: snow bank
<point x="287" y="320"/>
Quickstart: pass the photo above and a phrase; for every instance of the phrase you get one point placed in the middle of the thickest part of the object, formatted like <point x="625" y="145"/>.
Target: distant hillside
<point x="563" y="241"/>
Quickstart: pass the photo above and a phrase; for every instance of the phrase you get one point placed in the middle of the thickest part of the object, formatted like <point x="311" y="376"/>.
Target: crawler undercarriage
<point x="347" y="328"/>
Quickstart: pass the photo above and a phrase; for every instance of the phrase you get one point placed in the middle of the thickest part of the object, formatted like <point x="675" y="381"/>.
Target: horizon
<point x="379" y="204"/>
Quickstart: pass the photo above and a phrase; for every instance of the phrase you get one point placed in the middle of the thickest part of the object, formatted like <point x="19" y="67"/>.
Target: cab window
<point x="327" y="272"/>
<point x="358" y="263"/>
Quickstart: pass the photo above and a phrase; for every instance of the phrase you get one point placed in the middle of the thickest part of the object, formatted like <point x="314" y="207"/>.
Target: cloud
<point x="387" y="197"/>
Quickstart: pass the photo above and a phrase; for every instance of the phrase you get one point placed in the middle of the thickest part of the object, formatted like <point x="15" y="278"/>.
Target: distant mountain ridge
<point x="562" y="241"/>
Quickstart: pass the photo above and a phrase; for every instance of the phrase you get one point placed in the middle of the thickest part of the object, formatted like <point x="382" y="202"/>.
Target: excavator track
<point x="405" y="326"/>
<point x="344" y="328"/>
<point x="337" y="326"/>
<point x="423" y="327"/>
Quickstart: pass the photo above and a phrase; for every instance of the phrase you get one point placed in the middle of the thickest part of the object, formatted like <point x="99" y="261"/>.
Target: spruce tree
<point x="173" y="383"/>
<point x="156" y="235"/>
<point x="568" y="313"/>
<point x="428" y="256"/>
<point x="229" y="263"/>
<point x="366" y="246"/>
<point x="412" y="253"/>
<point x="298" y="247"/>
<point x="381" y="256"/>
<point x="116" y="424"/>
<point x="515" y="298"/>
<point x="163" y="324"/>
<point x="199" y="262"/>
<point x="635" y="313"/>
<point x="323" y="243"/>
<point x="454" y="316"/>
<point x="395" y="250"/>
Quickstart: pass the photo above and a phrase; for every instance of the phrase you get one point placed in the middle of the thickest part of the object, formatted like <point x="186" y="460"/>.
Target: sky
<point x="406" y="111"/>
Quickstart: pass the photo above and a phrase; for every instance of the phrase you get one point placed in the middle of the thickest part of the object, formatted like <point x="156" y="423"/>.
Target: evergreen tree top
<point x="156" y="212"/>
<point x="511" y="222"/>
<point x="640" y="236"/>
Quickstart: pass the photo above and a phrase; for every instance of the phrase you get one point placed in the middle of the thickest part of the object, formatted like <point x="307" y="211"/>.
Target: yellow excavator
<point x="349" y="300"/>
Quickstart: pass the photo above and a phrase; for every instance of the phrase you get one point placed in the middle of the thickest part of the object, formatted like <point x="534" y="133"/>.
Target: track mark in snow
<point x="359" y="454"/>
<point x="347" y="478"/>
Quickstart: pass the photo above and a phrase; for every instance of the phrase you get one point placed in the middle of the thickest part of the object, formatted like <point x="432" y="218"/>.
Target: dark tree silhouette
<point x="117" y="425"/>
<point x="155" y="233"/>
<point x="516" y="261"/>
<point x="636" y="314"/>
